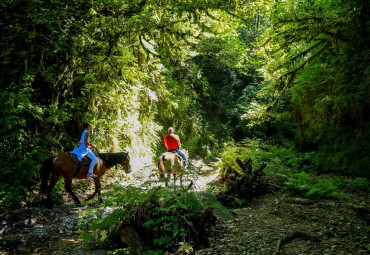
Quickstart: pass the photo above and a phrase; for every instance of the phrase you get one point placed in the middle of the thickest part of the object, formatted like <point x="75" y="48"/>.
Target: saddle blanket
<point x="85" y="161"/>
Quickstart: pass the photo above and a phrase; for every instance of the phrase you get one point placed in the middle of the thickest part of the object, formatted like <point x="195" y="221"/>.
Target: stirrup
<point x="91" y="175"/>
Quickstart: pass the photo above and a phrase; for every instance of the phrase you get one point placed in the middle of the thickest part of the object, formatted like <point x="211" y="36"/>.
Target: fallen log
<point x="243" y="185"/>
<point x="245" y="166"/>
<point x="247" y="179"/>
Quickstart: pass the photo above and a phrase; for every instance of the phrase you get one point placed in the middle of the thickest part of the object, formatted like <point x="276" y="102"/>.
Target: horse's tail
<point x="45" y="171"/>
<point x="161" y="166"/>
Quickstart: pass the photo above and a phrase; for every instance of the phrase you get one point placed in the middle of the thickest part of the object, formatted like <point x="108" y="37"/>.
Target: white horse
<point x="177" y="164"/>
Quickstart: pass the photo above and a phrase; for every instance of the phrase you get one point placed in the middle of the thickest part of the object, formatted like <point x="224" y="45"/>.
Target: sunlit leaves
<point x="299" y="33"/>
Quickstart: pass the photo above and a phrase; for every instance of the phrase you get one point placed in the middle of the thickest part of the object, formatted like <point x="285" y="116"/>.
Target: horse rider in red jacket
<point x="172" y="142"/>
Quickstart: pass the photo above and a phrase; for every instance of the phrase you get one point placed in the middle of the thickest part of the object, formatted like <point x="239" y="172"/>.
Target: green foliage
<point x="208" y="199"/>
<point x="341" y="131"/>
<point x="192" y="145"/>
<point x="169" y="215"/>
<point x="21" y="150"/>
<point x="120" y="251"/>
<point x="134" y="68"/>
<point x="228" y="164"/>
<point x="303" y="184"/>
<point x="280" y="159"/>
<point x="308" y="52"/>
<point x="358" y="184"/>
<point x="172" y="221"/>
<point x="169" y="222"/>
<point x="285" y="164"/>
<point x="114" y="64"/>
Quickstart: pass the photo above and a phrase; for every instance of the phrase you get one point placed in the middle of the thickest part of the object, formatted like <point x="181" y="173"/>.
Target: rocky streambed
<point x="36" y="229"/>
<point x="280" y="224"/>
<point x="271" y="224"/>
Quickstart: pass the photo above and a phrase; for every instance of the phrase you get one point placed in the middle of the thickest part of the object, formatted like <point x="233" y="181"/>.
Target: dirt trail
<point x="272" y="224"/>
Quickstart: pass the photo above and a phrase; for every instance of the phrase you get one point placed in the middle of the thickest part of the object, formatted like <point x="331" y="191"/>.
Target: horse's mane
<point x="113" y="159"/>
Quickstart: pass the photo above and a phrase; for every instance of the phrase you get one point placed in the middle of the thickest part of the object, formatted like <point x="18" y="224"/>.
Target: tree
<point x="98" y="61"/>
<point x="310" y="50"/>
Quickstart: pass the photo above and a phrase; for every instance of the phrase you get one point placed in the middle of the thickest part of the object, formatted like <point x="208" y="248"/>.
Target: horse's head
<point x="126" y="165"/>
<point x="119" y="158"/>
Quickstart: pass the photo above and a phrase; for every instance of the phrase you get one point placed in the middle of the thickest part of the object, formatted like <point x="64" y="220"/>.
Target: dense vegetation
<point x="284" y="83"/>
<point x="290" y="78"/>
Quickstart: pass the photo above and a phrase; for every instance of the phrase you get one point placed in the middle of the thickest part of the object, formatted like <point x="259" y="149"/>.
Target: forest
<point x="272" y="96"/>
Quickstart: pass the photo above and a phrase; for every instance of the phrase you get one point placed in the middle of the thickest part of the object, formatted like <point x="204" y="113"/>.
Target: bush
<point x="169" y="220"/>
<point x="358" y="184"/>
<point x="282" y="159"/>
<point x="304" y="184"/>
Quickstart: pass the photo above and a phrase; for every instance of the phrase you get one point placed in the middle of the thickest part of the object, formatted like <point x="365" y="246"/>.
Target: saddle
<point x="85" y="161"/>
<point x="178" y="155"/>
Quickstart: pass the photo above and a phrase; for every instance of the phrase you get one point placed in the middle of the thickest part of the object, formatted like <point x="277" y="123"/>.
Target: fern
<point x="192" y="144"/>
<point x="304" y="184"/>
<point x="170" y="218"/>
<point x="208" y="199"/>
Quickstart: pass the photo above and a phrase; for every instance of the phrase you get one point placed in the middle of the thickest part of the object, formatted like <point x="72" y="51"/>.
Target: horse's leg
<point x="166" y="179"/>
<point x="54" y="180"/>
<point x="181" y="168"/>
<point x="97" y="189"/>
<point x="161" y="167"/>
<point x="181" y="174"/>
<point x="162" y="174"/>
<point x="172" y="171"/>
<point x="68" y="187"/>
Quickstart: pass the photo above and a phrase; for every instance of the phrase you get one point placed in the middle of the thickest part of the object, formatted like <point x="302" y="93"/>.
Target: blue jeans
<point x="182" y="154"/>
<point x="94" y="160"/>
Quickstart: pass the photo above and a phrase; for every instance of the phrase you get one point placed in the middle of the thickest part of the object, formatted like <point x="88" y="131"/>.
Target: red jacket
<point x="172" y="141"/>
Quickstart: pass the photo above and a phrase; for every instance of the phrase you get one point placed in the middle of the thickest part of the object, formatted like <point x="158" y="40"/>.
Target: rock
<point x="37" y="235"/>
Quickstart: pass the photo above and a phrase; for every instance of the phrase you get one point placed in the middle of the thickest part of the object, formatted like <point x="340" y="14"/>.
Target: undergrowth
<point x="164" y="218"/>
<point x="303" y="184"/>
<point x="288" y="168"/>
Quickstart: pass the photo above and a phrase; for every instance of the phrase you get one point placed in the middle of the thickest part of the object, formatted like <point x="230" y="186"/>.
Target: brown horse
<point x="62" y="166"/>
<point x="177" y="164"/>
